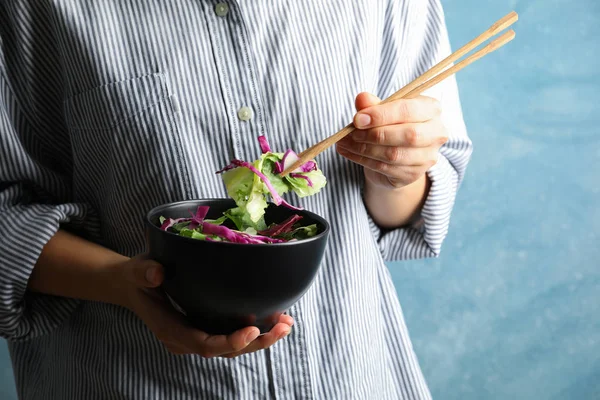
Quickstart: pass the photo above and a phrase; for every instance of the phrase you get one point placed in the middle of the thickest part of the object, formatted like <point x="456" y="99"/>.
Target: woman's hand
<point x="144" y="276"/>
<point x="397" y="142"/>
<point x="70" y="266"/>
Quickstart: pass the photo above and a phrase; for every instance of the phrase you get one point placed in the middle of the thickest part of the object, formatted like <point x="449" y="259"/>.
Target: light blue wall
<point x="511" y="310"/>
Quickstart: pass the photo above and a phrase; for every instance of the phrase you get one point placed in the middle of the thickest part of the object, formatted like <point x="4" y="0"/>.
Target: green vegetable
<point x="249" y="184"/>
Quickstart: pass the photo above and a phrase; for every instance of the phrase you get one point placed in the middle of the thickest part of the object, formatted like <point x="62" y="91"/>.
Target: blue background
<point x="511" y="309"/>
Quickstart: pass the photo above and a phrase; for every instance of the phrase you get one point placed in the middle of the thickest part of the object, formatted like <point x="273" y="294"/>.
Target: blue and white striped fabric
<point x="111" y="107"/>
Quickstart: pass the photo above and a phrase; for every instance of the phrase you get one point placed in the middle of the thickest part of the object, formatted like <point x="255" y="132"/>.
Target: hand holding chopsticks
<point x="430" y="78"/>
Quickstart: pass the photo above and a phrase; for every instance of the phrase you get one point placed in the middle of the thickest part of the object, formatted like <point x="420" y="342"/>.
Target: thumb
<point x="144" y="272"/>
<point x="364" y="100"/>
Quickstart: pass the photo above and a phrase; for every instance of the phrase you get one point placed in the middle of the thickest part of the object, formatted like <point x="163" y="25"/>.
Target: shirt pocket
<point x="128" y="154"/>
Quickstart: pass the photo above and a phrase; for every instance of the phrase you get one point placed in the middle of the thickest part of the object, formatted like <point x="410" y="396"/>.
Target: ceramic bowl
<point x="222" y="286"/>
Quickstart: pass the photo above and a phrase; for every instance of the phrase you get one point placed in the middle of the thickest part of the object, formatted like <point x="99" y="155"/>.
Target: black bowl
<point x="221" y="286"/>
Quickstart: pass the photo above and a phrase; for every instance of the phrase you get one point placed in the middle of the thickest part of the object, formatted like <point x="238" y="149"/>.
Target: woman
<point x="109" y="108"/>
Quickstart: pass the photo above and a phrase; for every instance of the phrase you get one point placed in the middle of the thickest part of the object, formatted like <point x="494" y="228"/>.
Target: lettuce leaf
<point x="250" y="185"/>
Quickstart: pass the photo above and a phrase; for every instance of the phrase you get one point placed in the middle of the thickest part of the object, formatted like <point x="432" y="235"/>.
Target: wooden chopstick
<point x="493" y="30"/>
<point x="490" y="47"/>
<point x="430" y="78"/>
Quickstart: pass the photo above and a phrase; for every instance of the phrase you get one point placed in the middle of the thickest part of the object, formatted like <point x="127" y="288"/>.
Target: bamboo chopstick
<point x="490" y="47"/>
<point x="430" y="78"/>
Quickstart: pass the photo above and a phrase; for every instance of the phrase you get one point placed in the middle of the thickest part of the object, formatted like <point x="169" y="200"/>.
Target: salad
<point x="249" y="184"/>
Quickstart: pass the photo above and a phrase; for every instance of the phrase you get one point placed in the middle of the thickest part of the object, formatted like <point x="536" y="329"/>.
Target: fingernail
<point x="252" y="336"/>
<point x="359" y="135"/>
<point x="362" y="120"/>
<point x="284" y="334"/>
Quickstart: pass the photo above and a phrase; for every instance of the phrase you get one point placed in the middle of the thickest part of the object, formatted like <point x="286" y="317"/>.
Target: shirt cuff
<point x="24" y="231"/>
<point x="425" y="237"/>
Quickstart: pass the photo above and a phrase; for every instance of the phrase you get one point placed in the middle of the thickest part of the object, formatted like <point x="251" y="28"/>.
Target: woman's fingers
<point x="181" y="338"/>
<point x="286" y="319"/>
<point x="395" y="142"/>
<point x="384" y="158"/>
<point x="206" y="345"/>
<point x="278" y="332"/>
<point x="401" y="135"/>
<point x="419" y="109"/>
<point x="365" y="99"/>
<point x="144" y="272"/>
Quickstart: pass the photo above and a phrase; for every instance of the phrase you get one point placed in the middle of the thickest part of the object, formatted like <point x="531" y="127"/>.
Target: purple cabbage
<point x="296" y="175"/>
<point x="236" y="236"/>
<point x="277" y="199"/>
<point x="169" y="222"/>
<point x="223" y="232"/>
<point x="198" y="218"/>
<point x="264" y="144"/>
<point x="284" y="227"/>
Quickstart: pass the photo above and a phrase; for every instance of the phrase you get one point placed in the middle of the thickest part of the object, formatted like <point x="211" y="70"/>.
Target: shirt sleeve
<point x="419" y="40"/>
<point x="34" y="203"/>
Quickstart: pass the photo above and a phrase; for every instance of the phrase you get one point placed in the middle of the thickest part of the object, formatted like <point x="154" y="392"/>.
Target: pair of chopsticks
<point x="432" y="77"/>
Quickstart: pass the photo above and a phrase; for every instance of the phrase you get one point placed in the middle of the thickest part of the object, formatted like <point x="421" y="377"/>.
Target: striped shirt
<point x="109" y="108"/>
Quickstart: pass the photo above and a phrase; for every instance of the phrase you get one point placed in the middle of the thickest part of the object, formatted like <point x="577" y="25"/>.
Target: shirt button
<point x="221" y="9"/>
<point x="245" y="113"/>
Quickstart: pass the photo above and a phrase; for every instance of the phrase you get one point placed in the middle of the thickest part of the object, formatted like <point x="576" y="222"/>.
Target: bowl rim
<point x="152" y="212"/>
